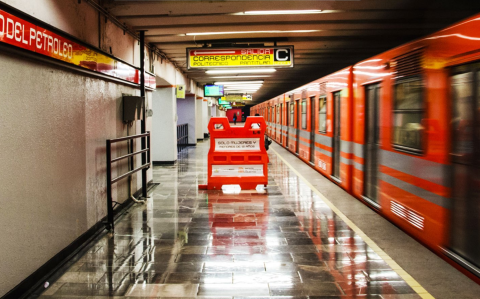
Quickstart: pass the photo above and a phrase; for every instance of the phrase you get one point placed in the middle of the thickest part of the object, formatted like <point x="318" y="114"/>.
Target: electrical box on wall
<point x="132" y="108"/>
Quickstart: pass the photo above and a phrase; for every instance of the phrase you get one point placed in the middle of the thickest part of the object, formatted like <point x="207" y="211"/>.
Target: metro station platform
<point x="301" y="237"/>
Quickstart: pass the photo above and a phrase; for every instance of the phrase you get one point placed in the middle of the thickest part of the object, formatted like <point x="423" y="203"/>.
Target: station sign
<point x="22" y="34"/>
<point x="238" y="97"/>
<point x="222" y="101"/>
<point x="206" y="58"/>
<point x="238" y="104"/>
<point x="247" y="97"/>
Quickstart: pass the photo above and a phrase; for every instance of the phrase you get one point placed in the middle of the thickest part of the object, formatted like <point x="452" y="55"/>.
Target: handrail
<point x="145" y="154"/>
<point x="182" y="137"/>
<point x="129" y="155"/>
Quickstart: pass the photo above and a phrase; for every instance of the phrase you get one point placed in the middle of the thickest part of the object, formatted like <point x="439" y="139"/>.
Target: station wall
<point x="54" y="123"/>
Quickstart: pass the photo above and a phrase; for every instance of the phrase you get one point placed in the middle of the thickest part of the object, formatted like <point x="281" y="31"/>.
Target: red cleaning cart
<point x="237" y="155"/>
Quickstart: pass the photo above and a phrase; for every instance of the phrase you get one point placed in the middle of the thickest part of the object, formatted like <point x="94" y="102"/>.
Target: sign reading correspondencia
<point x="237" y="144"/>
<point x="235" y="57"/>
<point x="237" y="170"/>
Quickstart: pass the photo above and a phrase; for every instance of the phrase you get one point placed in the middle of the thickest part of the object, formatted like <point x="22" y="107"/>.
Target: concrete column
<point x="186" y="115"/>
<point x="213" y="111"/>
<point x="199" y="118"/>
<point x="164" y="125"/>
<point x="205" y="117"/>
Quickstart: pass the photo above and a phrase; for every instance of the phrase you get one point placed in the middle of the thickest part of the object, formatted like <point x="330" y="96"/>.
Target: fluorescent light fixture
<point x="247" y="76"/>
<point x="232" y="89"/>
<point x="238" y="82"/>
<point x="249" y="32"/>
<point x="241" y="71"/>
<point x="242" y="85"/>
<point x="279" y="12"/>
<point x="241" y="89"/>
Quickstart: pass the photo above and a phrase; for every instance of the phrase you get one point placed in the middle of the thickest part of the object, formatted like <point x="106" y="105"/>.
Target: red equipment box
<point x="237" y="155"/>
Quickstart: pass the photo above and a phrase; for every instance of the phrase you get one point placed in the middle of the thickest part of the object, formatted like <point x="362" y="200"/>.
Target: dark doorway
<point x="372" y="139"/>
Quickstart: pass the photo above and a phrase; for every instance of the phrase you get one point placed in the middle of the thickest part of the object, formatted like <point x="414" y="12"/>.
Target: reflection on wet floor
<point x="283" y="241"/>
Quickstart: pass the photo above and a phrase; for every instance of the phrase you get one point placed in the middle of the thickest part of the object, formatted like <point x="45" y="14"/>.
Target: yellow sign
<point x="234" y="57"/>
<point x="234" y="97"/>
<point x="180" y="91"/>
<point x="247" y="97"/>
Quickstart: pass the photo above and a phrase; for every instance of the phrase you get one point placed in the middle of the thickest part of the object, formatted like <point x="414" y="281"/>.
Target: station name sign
<point x="22" y="34"/>
<point x="202" y="58"/>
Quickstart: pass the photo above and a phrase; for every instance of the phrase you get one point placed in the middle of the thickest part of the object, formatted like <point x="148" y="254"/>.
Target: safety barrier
<point x="182" y="137"/>
<point x="146" y="157"/>
<point x="237" y="155"/>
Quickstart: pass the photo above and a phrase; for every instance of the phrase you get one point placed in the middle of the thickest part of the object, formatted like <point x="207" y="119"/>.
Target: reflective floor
<point x="281" y="242"/>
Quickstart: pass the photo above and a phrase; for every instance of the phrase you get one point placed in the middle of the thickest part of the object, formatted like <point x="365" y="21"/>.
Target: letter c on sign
<point x="285" y="58"/>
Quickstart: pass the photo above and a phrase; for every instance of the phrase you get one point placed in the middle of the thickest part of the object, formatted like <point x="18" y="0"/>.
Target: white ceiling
<point x="349" y="30"/>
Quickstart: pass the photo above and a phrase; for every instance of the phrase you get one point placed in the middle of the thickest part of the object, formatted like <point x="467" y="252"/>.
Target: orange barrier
<point x="237" y="155"/>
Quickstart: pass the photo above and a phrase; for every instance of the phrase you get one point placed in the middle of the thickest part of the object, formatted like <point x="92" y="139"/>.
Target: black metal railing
<point x="182" y="137"/>
<point x="145" y="157"/>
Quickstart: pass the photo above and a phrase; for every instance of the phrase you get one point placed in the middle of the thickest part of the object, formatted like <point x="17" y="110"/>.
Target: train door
<point x="372" y="139"/>
<point x="292" y="120"/>
<point x="312" y="130"/>
<point x="281" y="123"/>
<point x="287" y="123"/>
<point x="336" y="134"/>
<point x="275" y="121"/>
<point x="465" y="157"/>
<point x="299" y="116"/>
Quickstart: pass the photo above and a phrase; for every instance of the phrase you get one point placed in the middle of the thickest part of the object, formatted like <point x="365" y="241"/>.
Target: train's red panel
<point x="382" y="130"/>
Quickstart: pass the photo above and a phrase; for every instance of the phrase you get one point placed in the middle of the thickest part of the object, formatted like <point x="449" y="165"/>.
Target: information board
<point x="239" y="57"/>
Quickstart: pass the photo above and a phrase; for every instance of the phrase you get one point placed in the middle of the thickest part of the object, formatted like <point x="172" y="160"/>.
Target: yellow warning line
<point x="405" y="276"/>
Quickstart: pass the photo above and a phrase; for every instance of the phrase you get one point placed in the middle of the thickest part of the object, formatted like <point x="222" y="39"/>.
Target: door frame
<point x="337" y="117"/>
<point x="312" y="129"/>
<point x="376" y="140"/>
<point x="299" y="115"/>
<point x="455" y="252"/>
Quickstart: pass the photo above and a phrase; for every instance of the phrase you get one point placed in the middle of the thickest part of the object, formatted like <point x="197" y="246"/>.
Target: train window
<point x="408" y="113"/>
<point x="292" y="113"/>
<point x="322" y="115"/>
<point x="278" y="114"/>
<point x="304" y="114"/>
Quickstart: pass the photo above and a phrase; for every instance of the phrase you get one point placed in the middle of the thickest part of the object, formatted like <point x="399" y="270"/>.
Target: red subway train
<point x="400" y="131"/>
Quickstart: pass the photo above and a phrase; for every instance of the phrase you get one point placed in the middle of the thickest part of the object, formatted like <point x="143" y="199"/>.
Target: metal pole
<point x="143" y="122"/>
<point x="149" y="149"/>
<point x="109" y="187"/>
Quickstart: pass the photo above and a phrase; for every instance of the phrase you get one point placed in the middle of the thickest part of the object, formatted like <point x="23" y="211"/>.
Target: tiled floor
<point x="280" y="242"/>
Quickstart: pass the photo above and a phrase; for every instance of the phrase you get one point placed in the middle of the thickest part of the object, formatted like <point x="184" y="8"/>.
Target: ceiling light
<point x="245" y="87"/>
<point x="241" y="90"/>
<point x="238" y="82"/>
<point x="240" y="71"/>
<point x="279" y="12"/>
<point x="247" y="76"/>
<point x="250" y="32"/>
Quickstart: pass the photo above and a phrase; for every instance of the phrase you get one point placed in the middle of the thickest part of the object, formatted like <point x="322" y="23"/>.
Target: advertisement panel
<point x="251" y="170"/>
<point x="237" y="144"/>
